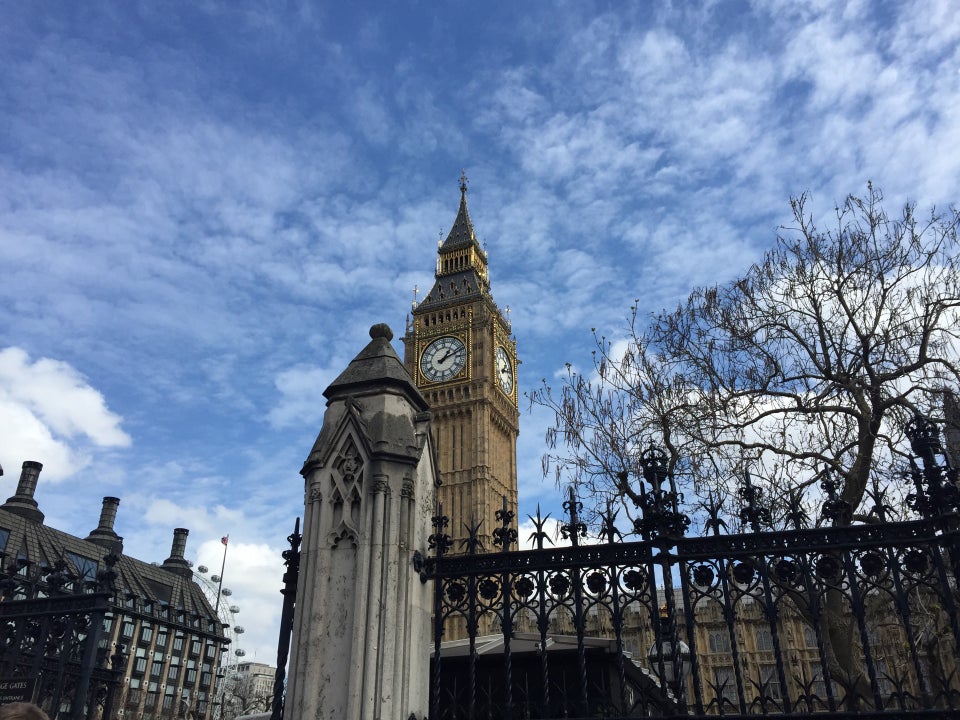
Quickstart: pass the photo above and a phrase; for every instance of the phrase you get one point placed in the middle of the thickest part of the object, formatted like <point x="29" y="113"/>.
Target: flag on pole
<point x="225" y="539"/>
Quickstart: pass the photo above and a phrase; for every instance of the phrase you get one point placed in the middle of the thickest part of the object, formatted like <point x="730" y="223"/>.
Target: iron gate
<point x="823" y="617"/>
<point x="51" y="626"/>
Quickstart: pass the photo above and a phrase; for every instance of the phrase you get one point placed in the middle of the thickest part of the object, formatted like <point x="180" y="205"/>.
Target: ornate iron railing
<point x="840" y="619"/>
<point x="51" y="632"/>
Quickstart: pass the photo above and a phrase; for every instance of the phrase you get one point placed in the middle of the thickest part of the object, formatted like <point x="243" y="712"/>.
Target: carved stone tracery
<point x="346" y="488"/>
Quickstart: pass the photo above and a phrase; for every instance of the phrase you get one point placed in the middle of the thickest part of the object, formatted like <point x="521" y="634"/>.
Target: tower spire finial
<point x="463" y="181"/>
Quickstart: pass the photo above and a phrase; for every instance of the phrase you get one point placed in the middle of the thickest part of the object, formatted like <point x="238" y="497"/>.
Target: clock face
<point x="504" y="371"/>
<point x="443" y="359"/>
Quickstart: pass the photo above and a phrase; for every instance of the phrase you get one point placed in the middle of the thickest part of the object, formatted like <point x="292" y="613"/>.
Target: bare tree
<point x="807" y="366"/>
<point x="243" y="696"/>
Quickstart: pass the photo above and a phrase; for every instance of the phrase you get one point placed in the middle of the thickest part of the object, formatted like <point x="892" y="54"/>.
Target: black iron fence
<point x="840" y="618"/>
<point x="52" y="642"/>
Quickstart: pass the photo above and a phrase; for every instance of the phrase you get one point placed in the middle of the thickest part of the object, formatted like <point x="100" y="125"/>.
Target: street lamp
<point x="671" y="666"/>
<point x="661" y="655"/>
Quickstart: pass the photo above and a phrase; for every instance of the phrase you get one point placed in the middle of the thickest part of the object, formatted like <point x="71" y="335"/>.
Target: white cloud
<point x="527" y="532"/>
<point x="254" y="573"/>
<point x="301" y="401"/>
<point x="48" y="412"/>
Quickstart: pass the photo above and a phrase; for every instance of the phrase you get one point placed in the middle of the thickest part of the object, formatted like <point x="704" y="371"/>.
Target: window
<point x="769" y="682"/>
<point x="191" y="676"/>
<point x="178" y="644"/>
<point x="146" y="634"/>
<point x="23" y="562"/>
<point x="85" y="567"/>
<point x="128" y="628"/>
<point x="809" y="637"/>
<point x="159" y="592"/>
<point x="162" y="639"/>
<point x="819" y="686"/>
<point x="195" y="647"/>
<point x="173" y="673"/>
<point x="884" y="683"/>
<point x="4" y="536"/>
<point x="140" y="665"/>
<point x="764" y="640"/>
<point x="726" y="687"/>
<point x="719" y="641"/>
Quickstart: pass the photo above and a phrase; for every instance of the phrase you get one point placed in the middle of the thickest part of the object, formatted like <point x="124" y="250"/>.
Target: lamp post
<point x="671" y="665"/>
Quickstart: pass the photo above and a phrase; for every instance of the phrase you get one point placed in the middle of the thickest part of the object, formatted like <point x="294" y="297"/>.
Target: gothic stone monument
<point x="361" y="636"/>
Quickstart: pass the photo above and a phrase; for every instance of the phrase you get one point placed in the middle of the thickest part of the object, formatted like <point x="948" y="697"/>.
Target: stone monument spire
<point x="360" y="648"/>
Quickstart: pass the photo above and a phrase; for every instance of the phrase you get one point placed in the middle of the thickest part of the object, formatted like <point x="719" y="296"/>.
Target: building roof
<point x="462" y="271"/>
<point x="376" y="366"/>
<point x="461" y="234"/>
<point x="26" y="542"/>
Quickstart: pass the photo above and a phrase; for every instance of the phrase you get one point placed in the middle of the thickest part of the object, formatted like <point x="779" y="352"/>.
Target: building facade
<point x="169" y="636"/>
<point x="248" y="689"/>
<point x="463" y="358"/>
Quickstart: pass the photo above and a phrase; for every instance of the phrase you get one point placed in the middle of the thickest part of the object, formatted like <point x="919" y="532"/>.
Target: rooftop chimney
<point x="104" y="534"/>
<point x="23" y="503"/>
<point x="176" y="563"/>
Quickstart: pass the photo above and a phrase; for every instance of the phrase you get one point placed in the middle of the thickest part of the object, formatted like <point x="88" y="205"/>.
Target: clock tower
<point x="459" y="350"/>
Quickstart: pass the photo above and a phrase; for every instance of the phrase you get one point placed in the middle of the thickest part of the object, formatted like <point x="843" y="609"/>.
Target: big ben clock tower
<point x="460" y="353"/>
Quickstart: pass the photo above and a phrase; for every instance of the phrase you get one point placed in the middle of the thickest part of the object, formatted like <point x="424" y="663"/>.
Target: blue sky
<point x="204" y="206"/>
